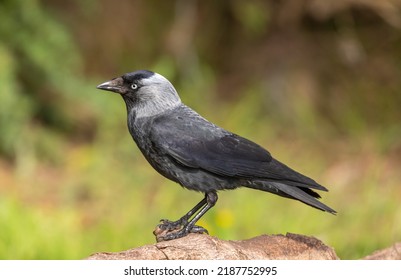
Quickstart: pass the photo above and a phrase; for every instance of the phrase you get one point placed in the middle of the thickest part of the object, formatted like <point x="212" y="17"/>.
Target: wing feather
<point x="196" y="143"/>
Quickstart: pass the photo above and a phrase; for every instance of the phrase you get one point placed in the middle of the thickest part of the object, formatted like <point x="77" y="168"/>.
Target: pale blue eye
<point x="134" y="86"/>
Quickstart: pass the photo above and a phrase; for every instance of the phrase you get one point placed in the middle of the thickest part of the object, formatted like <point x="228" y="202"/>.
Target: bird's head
<point x="145" y="92"/>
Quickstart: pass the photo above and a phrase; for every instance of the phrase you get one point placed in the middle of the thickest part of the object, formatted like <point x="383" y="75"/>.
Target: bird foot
<point x="167" y="225"/>
<point x="169" y="230"/>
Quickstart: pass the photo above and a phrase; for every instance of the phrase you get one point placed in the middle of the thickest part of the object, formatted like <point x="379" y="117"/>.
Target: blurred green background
<point x="315" y="82"/>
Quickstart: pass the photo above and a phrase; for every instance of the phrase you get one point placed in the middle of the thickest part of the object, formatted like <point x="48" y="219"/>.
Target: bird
<point x="186" y="148"/>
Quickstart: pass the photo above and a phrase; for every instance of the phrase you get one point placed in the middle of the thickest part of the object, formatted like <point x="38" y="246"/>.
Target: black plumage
<point x="186" y="148"/>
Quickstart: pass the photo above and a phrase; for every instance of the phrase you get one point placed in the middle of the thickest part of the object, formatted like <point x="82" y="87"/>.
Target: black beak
<point x="115" y="85"/>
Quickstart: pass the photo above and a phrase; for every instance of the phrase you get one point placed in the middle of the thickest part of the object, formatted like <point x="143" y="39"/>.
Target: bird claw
<point x="169" y="230"/>
<point x="198" y="229"/>
<point x="167" y="225"/>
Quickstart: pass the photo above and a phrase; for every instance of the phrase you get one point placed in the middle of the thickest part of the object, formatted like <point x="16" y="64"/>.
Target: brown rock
<point x="205" y="247"/>
<point x="391" y="253"/>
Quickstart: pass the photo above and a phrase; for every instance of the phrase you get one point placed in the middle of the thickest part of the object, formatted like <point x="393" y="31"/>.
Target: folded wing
<point x="197" y="143"/>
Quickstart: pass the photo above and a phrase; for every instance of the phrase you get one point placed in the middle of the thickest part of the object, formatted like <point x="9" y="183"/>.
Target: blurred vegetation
<point x="316" y="82"/>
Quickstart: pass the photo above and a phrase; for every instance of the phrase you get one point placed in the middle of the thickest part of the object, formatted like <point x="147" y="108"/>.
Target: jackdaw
<point x="199" y="155"/>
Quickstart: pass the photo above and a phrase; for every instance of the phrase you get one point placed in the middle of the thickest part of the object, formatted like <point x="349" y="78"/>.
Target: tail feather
<point x="311" y="192"/>
<point x="278" y="171"/>
<point x="301" y="194"/>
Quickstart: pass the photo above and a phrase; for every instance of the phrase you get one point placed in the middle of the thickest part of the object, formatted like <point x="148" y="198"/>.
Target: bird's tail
<point x="302" y="194"/>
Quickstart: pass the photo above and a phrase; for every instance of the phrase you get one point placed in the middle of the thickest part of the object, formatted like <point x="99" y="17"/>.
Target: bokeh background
<point x="316" y="82"/>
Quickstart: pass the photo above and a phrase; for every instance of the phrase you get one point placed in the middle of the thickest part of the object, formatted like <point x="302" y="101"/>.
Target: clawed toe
<point x="167" y="225"/>
<point x="198" y="229"/>
<point x="168" y="230"/>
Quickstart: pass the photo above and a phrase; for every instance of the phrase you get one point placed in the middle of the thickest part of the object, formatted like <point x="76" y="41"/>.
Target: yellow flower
<point x="224" y="218"/>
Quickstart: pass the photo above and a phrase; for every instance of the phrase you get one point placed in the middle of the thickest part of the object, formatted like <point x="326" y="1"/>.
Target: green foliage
<point x="35" y="234"/>
<point x="39" y="72"/>
<point x="15" y="109"/>
<point x="253" y="15"/>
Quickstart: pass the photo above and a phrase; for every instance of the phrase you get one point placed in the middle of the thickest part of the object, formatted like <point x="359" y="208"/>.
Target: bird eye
<point x="134" y="86"/>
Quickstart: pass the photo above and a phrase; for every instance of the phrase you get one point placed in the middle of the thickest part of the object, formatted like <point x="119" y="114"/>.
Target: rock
<point x="391" y="253"/>
<point x="205" y="247"/>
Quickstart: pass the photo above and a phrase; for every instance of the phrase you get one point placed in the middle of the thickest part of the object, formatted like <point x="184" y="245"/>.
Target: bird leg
<point x="169" y="230"/>
<point x="183" y="221"/>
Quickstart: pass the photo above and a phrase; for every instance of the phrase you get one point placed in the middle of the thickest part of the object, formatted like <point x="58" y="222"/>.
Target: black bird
<point x="197" y="154"/>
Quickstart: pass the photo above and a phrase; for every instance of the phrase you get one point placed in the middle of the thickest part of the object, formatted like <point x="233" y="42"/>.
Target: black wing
<point x="196" y="143"/>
